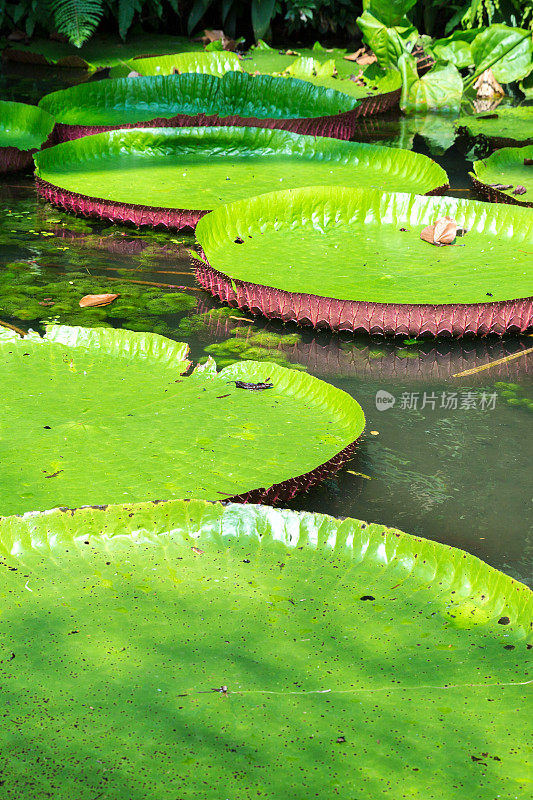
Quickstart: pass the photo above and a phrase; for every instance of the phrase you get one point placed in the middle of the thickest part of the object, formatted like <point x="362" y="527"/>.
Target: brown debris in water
<point x="95" y="300"/>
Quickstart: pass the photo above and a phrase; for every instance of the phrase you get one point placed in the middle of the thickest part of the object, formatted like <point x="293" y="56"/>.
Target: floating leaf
<point x="510" y="125"/>
<point x="325" y="255"/>
<point x="144" y="430"/>
<point x="506" y="172"/>
<point x="178" y="170"/>
<point x="94" y="300"/>
<point x="23" y="130"/>
<point x="294" y="637"/>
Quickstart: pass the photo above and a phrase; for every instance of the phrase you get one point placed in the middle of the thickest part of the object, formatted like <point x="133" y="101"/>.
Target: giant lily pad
<point x="507" y="126"/>
<point x="383" y="85"/>
<point x="98" y="53"/>
<point x="173" y="176"/>
<point x="23" y="130"/>
<point x="195" y="99"/>
<point x="506" y="167"/>
<point x="217" y="63"/>
<point x="109" y="414"/>
<point x="189" y="650"/>
<point x="353" y="259"/>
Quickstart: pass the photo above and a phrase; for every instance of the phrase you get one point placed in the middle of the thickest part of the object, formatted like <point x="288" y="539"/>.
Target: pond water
<point x="442" y="457"/>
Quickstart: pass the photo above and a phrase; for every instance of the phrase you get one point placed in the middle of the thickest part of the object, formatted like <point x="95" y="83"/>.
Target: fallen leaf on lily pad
<point x="443" y="231"/>
<point x="520" y="190"/>
<point x="361" y="57"/>
<point x="93" y="300"/>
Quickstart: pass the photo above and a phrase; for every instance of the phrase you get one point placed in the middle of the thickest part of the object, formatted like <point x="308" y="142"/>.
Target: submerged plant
<point x="255" y="346"/>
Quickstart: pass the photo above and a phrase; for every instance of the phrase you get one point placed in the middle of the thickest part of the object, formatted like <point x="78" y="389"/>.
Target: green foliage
<point x="76" y="19"/>
<point x="507" y="51"/>
<point x="441" y="88"/>
<point x="388" y="43"/>
<point x="390" y="12"/>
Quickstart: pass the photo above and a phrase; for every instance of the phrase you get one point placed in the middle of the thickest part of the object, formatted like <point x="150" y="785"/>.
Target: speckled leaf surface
<point x="505" y="123"/>
<point x="348" y="244"/>
<point x="23" y="126"/>
<point x="122" y="100"/>
<point x="506" y="166"/>
<point x="205" y="63"/>
<point x="201" y="168"/>
<point x="108" y="415"/>
<point x="358" y="661"/>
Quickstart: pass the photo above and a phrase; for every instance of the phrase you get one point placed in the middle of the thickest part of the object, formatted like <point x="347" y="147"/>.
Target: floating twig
<point x="493" y="363"/>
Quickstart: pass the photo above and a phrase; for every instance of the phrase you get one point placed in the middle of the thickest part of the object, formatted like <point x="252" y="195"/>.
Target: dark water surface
<point x="448" y="460"/>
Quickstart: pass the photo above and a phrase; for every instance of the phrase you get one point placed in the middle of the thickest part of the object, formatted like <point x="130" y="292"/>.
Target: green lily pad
<point x="513" y="125"/>
<point x="109" y="414"/>
<point x="202" y="168"/>
<point x="190" y="650"/>
<point x="97" y="53"/>
<point x="122" y="101"/>
<point x="329" y="74"/>
<point x="265" y="59"/>
<point x="506" y="167"/>
<point x="204" y="63"/>
<point x="348" y="244"/>
<point x="23" y="126"/>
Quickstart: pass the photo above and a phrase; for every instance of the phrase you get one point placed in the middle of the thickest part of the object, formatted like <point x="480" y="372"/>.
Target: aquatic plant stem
<point x="493" y="363"/>
<point x="8" y="325"/>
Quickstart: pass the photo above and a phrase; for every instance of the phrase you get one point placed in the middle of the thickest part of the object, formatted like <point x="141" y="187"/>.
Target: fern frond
<point x="76" y="19"/>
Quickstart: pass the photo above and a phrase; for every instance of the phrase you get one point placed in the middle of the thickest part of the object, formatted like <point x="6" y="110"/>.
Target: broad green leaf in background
<point x="440" y="88"/>
<point x="507" y="51"/>
<point x="455" y="48"/>
<point x="193" y="650"/>
<point x="23" y="126"/>
<point x="262" y="13"/>
<point x="390" y="12"/>
<point x="122" y="100"/>
<point x="201" y="168"/>
<point x="506" y="166"/>
<point x="365" y="245"/>
<point x="109" y="414"/>
<point x="387" y="43"/>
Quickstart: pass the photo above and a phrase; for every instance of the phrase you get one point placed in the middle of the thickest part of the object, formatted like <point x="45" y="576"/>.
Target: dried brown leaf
<point x="443" y="231"/>
<point x="94" y="300"/>
<point x="487" y="85"/>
